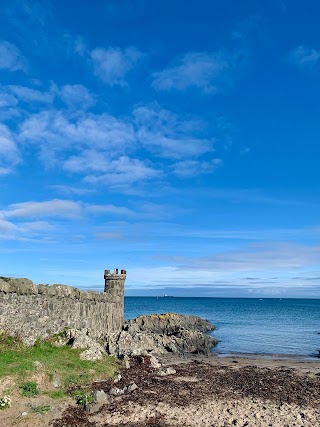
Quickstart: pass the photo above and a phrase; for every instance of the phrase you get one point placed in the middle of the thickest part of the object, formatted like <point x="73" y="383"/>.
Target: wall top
<point x="27" y="287"/>
<point x="107" y="273"/>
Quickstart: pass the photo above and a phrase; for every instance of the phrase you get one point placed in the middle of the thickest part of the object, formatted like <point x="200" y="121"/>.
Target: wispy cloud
<point x="109" y="236"/>
<point x="206" y="71"/>
<point x="260" y="256"/>
<point x="51" y="208"/>
<point x="11" y="58"/>
<point x="73" y="190"/>
<point x="7" y="100"/>
<point x="170" y="135"/>
<point x="88" y="131"/>
<point x="191" y="168"/>
<point x="76" y="96"/>
<point x="125" y="171"/>
<point x="304" y="57"/>
<point x="109" y="209"/>
<point x="31" y="95"/>
<point x="9" y="152"/>
<point x="112" y="65"/>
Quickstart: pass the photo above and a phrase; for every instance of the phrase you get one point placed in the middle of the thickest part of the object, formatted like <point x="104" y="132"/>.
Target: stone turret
<point x="114" y="288"/>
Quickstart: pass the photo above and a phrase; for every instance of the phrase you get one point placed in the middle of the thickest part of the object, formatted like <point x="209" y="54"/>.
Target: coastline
<point x="204" y="391"/>
<point x="308" y="366"/>
<point x="209" y="391"/>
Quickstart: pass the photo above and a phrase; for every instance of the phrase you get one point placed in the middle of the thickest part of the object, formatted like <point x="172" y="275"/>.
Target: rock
<point x="117" y="379"/>
<point x="24" y="414"/>
<point x="92" y="353"/>
<point x="166" y="371"/>
<point x="132" y="387"/>
<point x="56" y="382"/>
<point x="80" y="339"/>
<point x="162" y="334"/>
<point x="154" y="362"/>
<point x="93" y="407"/>
<point x="116" y="391"/>
<point x="167" y="323"/>
<point x="99" y="396"/>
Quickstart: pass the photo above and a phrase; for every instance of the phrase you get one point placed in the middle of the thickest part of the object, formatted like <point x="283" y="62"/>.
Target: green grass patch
<point x="56" y="394"/>
<point x="40" y="409"/>
<point x="29" y="389"/>
<point x="18" y="361"/>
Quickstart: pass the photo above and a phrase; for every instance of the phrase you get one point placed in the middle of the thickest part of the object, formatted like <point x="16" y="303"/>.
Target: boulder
<point x="167" y="323"/>
<point x="80" y="339"/>
<point x="161" y="334"/>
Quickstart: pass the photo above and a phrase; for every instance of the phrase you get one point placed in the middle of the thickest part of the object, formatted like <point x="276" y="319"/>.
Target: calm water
<point x="247" y="326"/>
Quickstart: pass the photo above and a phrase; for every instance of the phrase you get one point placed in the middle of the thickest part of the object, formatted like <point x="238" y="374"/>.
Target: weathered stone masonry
<point x="39" y="311"/>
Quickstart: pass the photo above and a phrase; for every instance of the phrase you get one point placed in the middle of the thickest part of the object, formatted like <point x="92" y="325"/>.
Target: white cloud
<point x="124" y="171"/>
<point x="50" y="208"/>
<point x="7" y="100"/>
<point x="55" y="133"/>
<point x="190" y="168"/>
<point x="170" y="135"/>
<point x="111" y="209"/>
<point x="77" y="96"/>
<point x="6" y="226"/>
<point x="68" y="189"/>
<point x="28" y="94"/>
<point x="108" y="236"/>
<point x="118" y="151"/>
<point x="9" y="152"/>
<point x="10" y="57"/>
<point x="263" y="256"/>
<point x="207" y="71"/>
<point x="112" y="65"/>
<point x="304" y="57"/>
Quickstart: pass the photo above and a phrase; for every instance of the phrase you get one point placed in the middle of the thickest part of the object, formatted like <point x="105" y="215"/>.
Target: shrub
<point x="29" y="389"/>
<point x="5" y="402"/>
<point x="83" y="397"/>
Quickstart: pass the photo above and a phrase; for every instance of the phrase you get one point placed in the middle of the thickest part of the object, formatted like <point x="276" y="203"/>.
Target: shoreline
<point x="206" y="391"/>
<point x="305" y="366"/>
<point x="297" y="357"/>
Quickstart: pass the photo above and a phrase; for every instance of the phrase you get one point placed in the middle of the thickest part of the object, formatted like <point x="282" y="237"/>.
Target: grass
<point x="56" y="394"/>
<point x="17" y="361"/>
<point x="40" y="409"/>
<point x="29" y="389"/>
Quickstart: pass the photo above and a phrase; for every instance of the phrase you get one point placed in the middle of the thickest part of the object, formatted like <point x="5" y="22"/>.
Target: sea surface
<point x="247" y="326"/>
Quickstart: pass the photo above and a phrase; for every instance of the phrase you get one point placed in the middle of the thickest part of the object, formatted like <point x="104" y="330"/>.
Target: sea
<point x="259" y="327"/>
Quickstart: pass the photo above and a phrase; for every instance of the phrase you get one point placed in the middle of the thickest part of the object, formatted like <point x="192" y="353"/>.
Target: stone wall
<point x="39" y="311"/>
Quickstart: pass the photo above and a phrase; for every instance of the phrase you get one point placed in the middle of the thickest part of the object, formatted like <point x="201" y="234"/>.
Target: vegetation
<point x="29" y="389"/>
<point x="24" y="363"/>
<point x="83" y="397"/>
<point x="5" y="402"/>
<point x="40" y="409"/>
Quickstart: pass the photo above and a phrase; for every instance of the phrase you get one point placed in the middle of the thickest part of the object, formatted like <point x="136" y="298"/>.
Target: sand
<point x="213" y="392"/>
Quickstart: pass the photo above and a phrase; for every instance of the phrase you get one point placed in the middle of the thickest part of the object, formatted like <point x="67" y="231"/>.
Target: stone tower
<point x="114" y="287"/>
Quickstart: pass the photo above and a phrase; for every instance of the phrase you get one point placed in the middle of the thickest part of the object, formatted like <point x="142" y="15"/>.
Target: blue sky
<point x="176" y="139"/>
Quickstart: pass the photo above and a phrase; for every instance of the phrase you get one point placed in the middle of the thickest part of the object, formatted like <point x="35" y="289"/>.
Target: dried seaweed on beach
<point x="196" y="382"/>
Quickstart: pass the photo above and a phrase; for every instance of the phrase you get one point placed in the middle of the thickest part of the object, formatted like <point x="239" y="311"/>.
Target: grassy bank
<point x="54" y="368"/>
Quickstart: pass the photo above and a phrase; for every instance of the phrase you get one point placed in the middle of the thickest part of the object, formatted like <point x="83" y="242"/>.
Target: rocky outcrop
<point x="162" y="334"/>
<point x="92" y="350"/>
